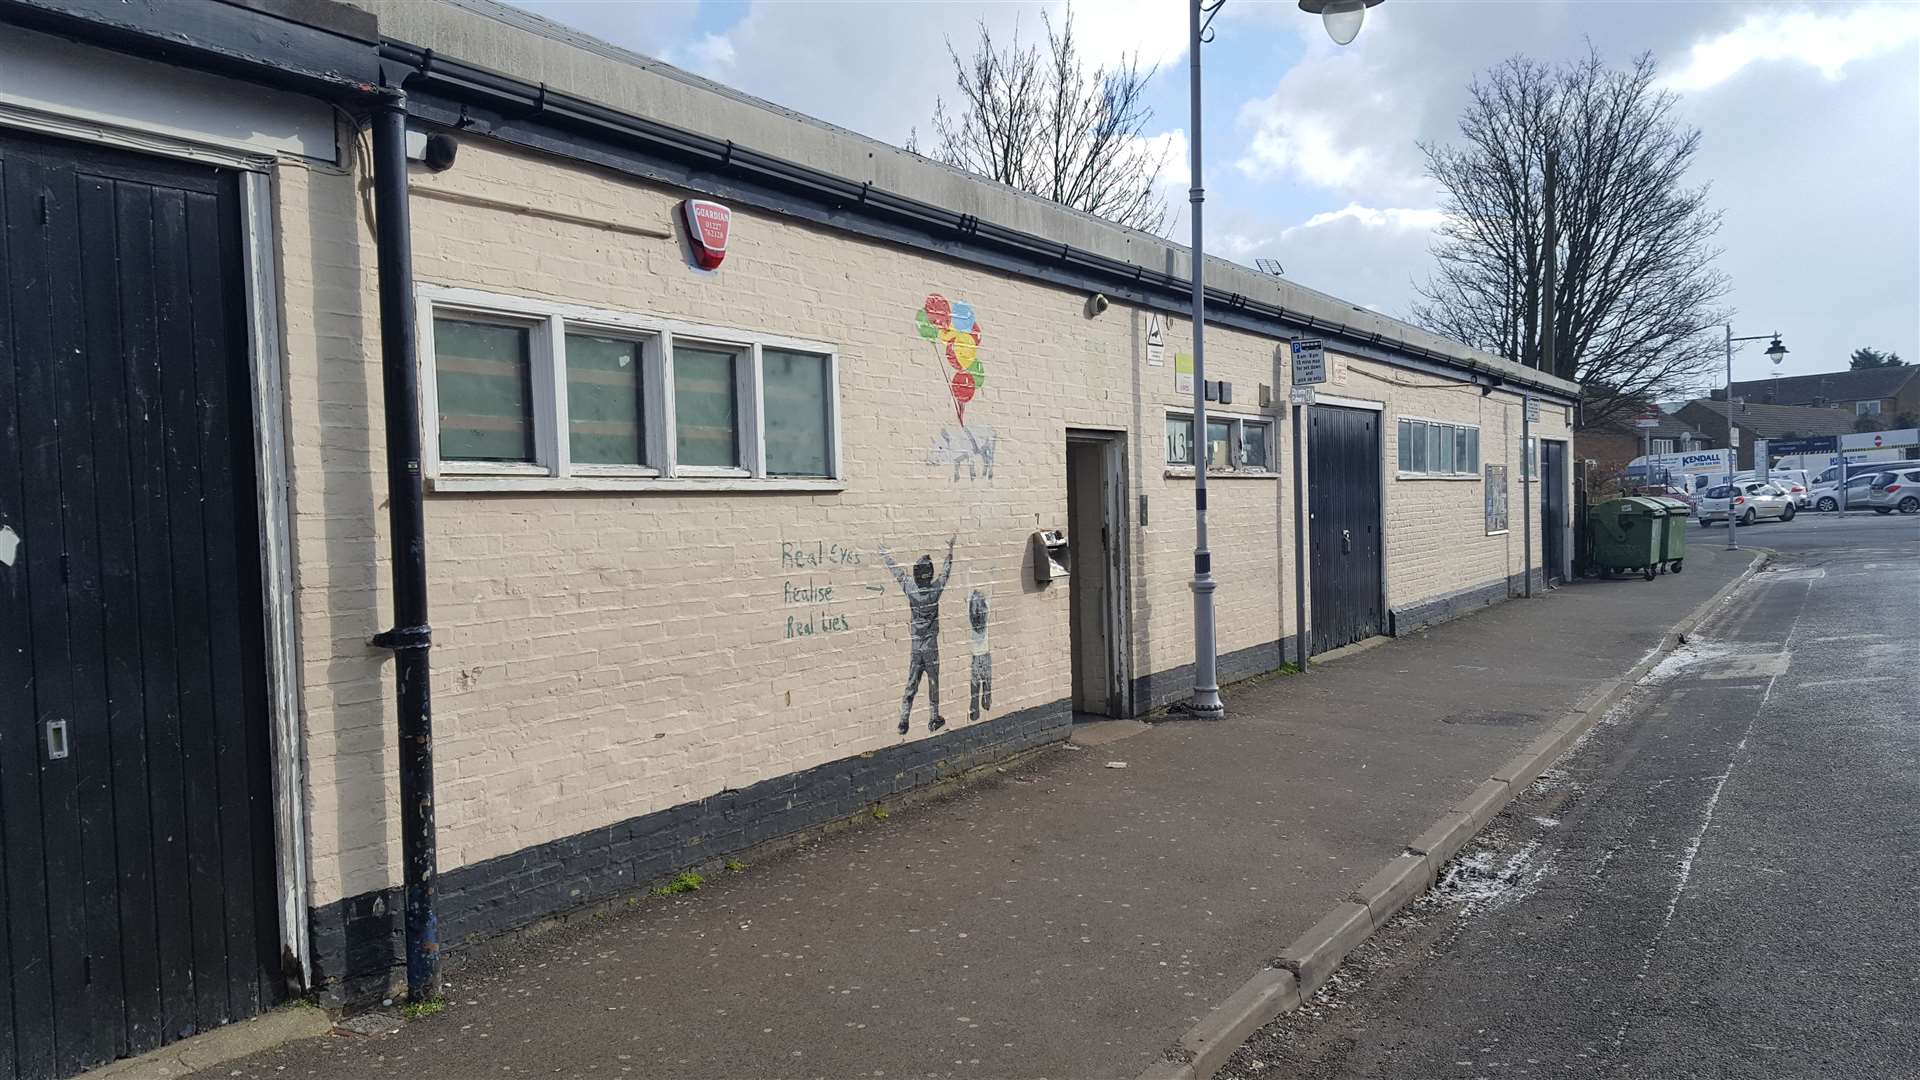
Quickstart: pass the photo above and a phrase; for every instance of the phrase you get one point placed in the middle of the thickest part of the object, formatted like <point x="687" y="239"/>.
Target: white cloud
<point x="711" y="54"/>
<point x="1397" y="219"/>
<point x="1342" y="120"/>
<point x="1108" y="30"/>
<point x="1368" y="255"/>
<point x="1826" y="41"/>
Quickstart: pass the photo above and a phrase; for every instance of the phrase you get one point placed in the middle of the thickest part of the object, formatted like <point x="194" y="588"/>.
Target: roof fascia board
<point x="245" y="41"/>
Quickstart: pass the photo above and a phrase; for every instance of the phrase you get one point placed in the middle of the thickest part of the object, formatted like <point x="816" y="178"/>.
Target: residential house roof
<point x="1764" y="421"/>
<point x="1845" y="387"/>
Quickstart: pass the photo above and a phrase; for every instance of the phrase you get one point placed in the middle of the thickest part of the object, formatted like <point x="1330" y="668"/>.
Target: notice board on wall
<point x="1496" y="499"/>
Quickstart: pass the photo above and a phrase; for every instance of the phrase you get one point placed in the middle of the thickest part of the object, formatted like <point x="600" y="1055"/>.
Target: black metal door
<point x="1553" y="508"/>
<point x="1343" y="504"/>
<point x="136" y="853"/>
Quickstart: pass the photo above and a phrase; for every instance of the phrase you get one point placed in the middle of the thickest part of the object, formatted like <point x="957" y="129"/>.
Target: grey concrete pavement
<point x="1721" y="882"/>
<point x="1061" y="920"/>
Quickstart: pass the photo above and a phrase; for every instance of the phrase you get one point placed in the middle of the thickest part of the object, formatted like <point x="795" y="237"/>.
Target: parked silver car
<point x="1746" y="501"/>
<point x="1897" y="489"/>
<point x="1826" y="495"/>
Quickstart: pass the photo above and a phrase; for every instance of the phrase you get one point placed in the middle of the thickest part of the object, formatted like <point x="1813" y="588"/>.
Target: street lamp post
<point x="1206" y="702"/>
<point x="1343" y="19"/>
<point x="1775" y="352"/>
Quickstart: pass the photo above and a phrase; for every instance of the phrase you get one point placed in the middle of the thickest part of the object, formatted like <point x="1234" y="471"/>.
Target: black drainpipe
<point x="410" y="637"/>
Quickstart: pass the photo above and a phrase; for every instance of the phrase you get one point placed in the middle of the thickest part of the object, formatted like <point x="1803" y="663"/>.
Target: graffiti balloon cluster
<point x="954" y="331"/>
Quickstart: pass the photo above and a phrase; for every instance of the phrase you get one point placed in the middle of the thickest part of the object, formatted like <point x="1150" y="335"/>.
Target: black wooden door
<point x="1343" y="507"/>
<point x="136" y="853"/>
<point x="1553" y="507"/>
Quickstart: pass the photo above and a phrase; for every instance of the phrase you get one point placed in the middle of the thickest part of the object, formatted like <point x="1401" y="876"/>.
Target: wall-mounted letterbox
<point x="1050" y="558"/>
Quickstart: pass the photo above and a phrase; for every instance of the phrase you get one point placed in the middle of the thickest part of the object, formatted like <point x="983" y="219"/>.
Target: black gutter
<point x="411" y="637"/>
<point x="510" y="108"/>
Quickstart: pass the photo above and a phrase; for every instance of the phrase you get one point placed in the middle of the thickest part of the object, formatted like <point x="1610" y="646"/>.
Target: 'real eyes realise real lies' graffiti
<point x="955" y="333"/>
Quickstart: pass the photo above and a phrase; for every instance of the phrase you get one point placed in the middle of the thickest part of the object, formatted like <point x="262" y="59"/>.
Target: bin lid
<point x="1670" y="505"/>
<point x="1632" y="506"/>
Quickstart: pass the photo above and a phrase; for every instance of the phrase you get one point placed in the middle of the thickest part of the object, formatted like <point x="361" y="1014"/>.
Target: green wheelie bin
<point x="1673" y="535"/>
<point x="1628" y="534"/>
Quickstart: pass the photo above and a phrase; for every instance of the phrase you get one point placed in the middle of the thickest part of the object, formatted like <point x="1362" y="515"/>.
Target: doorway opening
<point x="1097" y="573"/>
<point x="1553" y="510"/>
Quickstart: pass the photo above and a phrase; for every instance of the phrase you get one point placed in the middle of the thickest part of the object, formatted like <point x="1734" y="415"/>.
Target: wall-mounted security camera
<point x="1096" y="304"/>
<point x="435" y="151"/>
<point x="442" y="148"/>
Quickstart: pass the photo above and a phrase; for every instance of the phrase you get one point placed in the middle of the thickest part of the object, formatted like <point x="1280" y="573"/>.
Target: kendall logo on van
<point x="708" y="224"/>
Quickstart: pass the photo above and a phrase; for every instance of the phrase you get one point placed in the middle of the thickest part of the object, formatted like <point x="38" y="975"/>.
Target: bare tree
<point x="1636" y="293"/>
<point x="1045" y="122"/>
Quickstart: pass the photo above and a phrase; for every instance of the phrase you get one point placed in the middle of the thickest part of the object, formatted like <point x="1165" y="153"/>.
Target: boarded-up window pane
<point x="1255" y="452"/>
<point x="483" y="378"/>
<point x="705" y="406"/>
<point x="1179" y="440"/>
<point x="1434" y="437"/>
<point x="1496" y="493"/>
<point x="1405" y="440"/>
<point x="603" y="400"/>
<point x="1219" y="444"/>
<point x="798" y="388"/>
<point x="1419" y="442"/>
<point x="1463" y="451"/>
<point x="1448" y="448"/>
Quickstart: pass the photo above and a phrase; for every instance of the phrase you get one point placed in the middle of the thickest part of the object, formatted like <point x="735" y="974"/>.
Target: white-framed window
<point x="524" y="394"/>
<point x="1234" y="443"/>
<point x="1663" y="446"/>
<point x="1437" y="448"/>
<point x="1866" y="408"/>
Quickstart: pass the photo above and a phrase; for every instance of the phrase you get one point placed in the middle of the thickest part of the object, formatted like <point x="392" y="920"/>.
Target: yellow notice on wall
<point x="1183" y="373"/>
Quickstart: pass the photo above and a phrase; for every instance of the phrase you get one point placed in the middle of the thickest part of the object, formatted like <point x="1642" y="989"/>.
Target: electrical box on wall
<point x="1050" y="555"/>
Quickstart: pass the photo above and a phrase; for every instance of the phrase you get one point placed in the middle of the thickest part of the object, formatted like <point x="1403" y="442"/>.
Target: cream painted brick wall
<point x="601" y="656"/>
<point x="1436" y="538"/>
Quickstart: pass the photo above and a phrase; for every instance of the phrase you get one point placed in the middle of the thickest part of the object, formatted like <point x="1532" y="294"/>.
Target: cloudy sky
<point x="1810" y="115"/>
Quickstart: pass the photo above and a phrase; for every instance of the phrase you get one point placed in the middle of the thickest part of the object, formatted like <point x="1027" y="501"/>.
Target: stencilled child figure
<point x="980" y="689"/>
<point x="923" y="602"/>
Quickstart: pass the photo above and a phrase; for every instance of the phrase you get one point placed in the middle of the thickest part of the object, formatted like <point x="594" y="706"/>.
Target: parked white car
<point x="1895" y="489"/>
<point x="1747" y="501"/>
<point x="1825" y="495"/>
<point x="1794" y="482"/>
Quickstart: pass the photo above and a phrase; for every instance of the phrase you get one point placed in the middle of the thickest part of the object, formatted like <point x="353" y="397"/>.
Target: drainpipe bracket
<point x="404" y="637"/>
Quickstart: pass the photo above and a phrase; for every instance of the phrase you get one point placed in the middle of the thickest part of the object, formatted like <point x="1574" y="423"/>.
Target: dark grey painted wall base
<point x="1150" y="692"/>
<point x="1406" y="620"/>
<point x="357" y="947"/>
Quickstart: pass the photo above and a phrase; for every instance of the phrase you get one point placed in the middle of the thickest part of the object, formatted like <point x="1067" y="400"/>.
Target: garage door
<point x="136" y="854"/>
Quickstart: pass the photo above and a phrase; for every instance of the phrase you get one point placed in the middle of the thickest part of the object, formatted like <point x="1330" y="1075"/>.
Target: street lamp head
<point x="1342" y="17"/>
<point x="1776" y="351"/>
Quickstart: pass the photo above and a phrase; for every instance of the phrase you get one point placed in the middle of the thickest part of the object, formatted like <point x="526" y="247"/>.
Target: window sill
<point x="1438" y="476"/>
<point x="621" y="485"/>
<point x="1179" y="472"/>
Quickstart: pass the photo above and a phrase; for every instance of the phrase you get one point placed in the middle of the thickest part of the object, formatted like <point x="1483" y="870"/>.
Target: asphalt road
<point x="1723" y="880"/>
